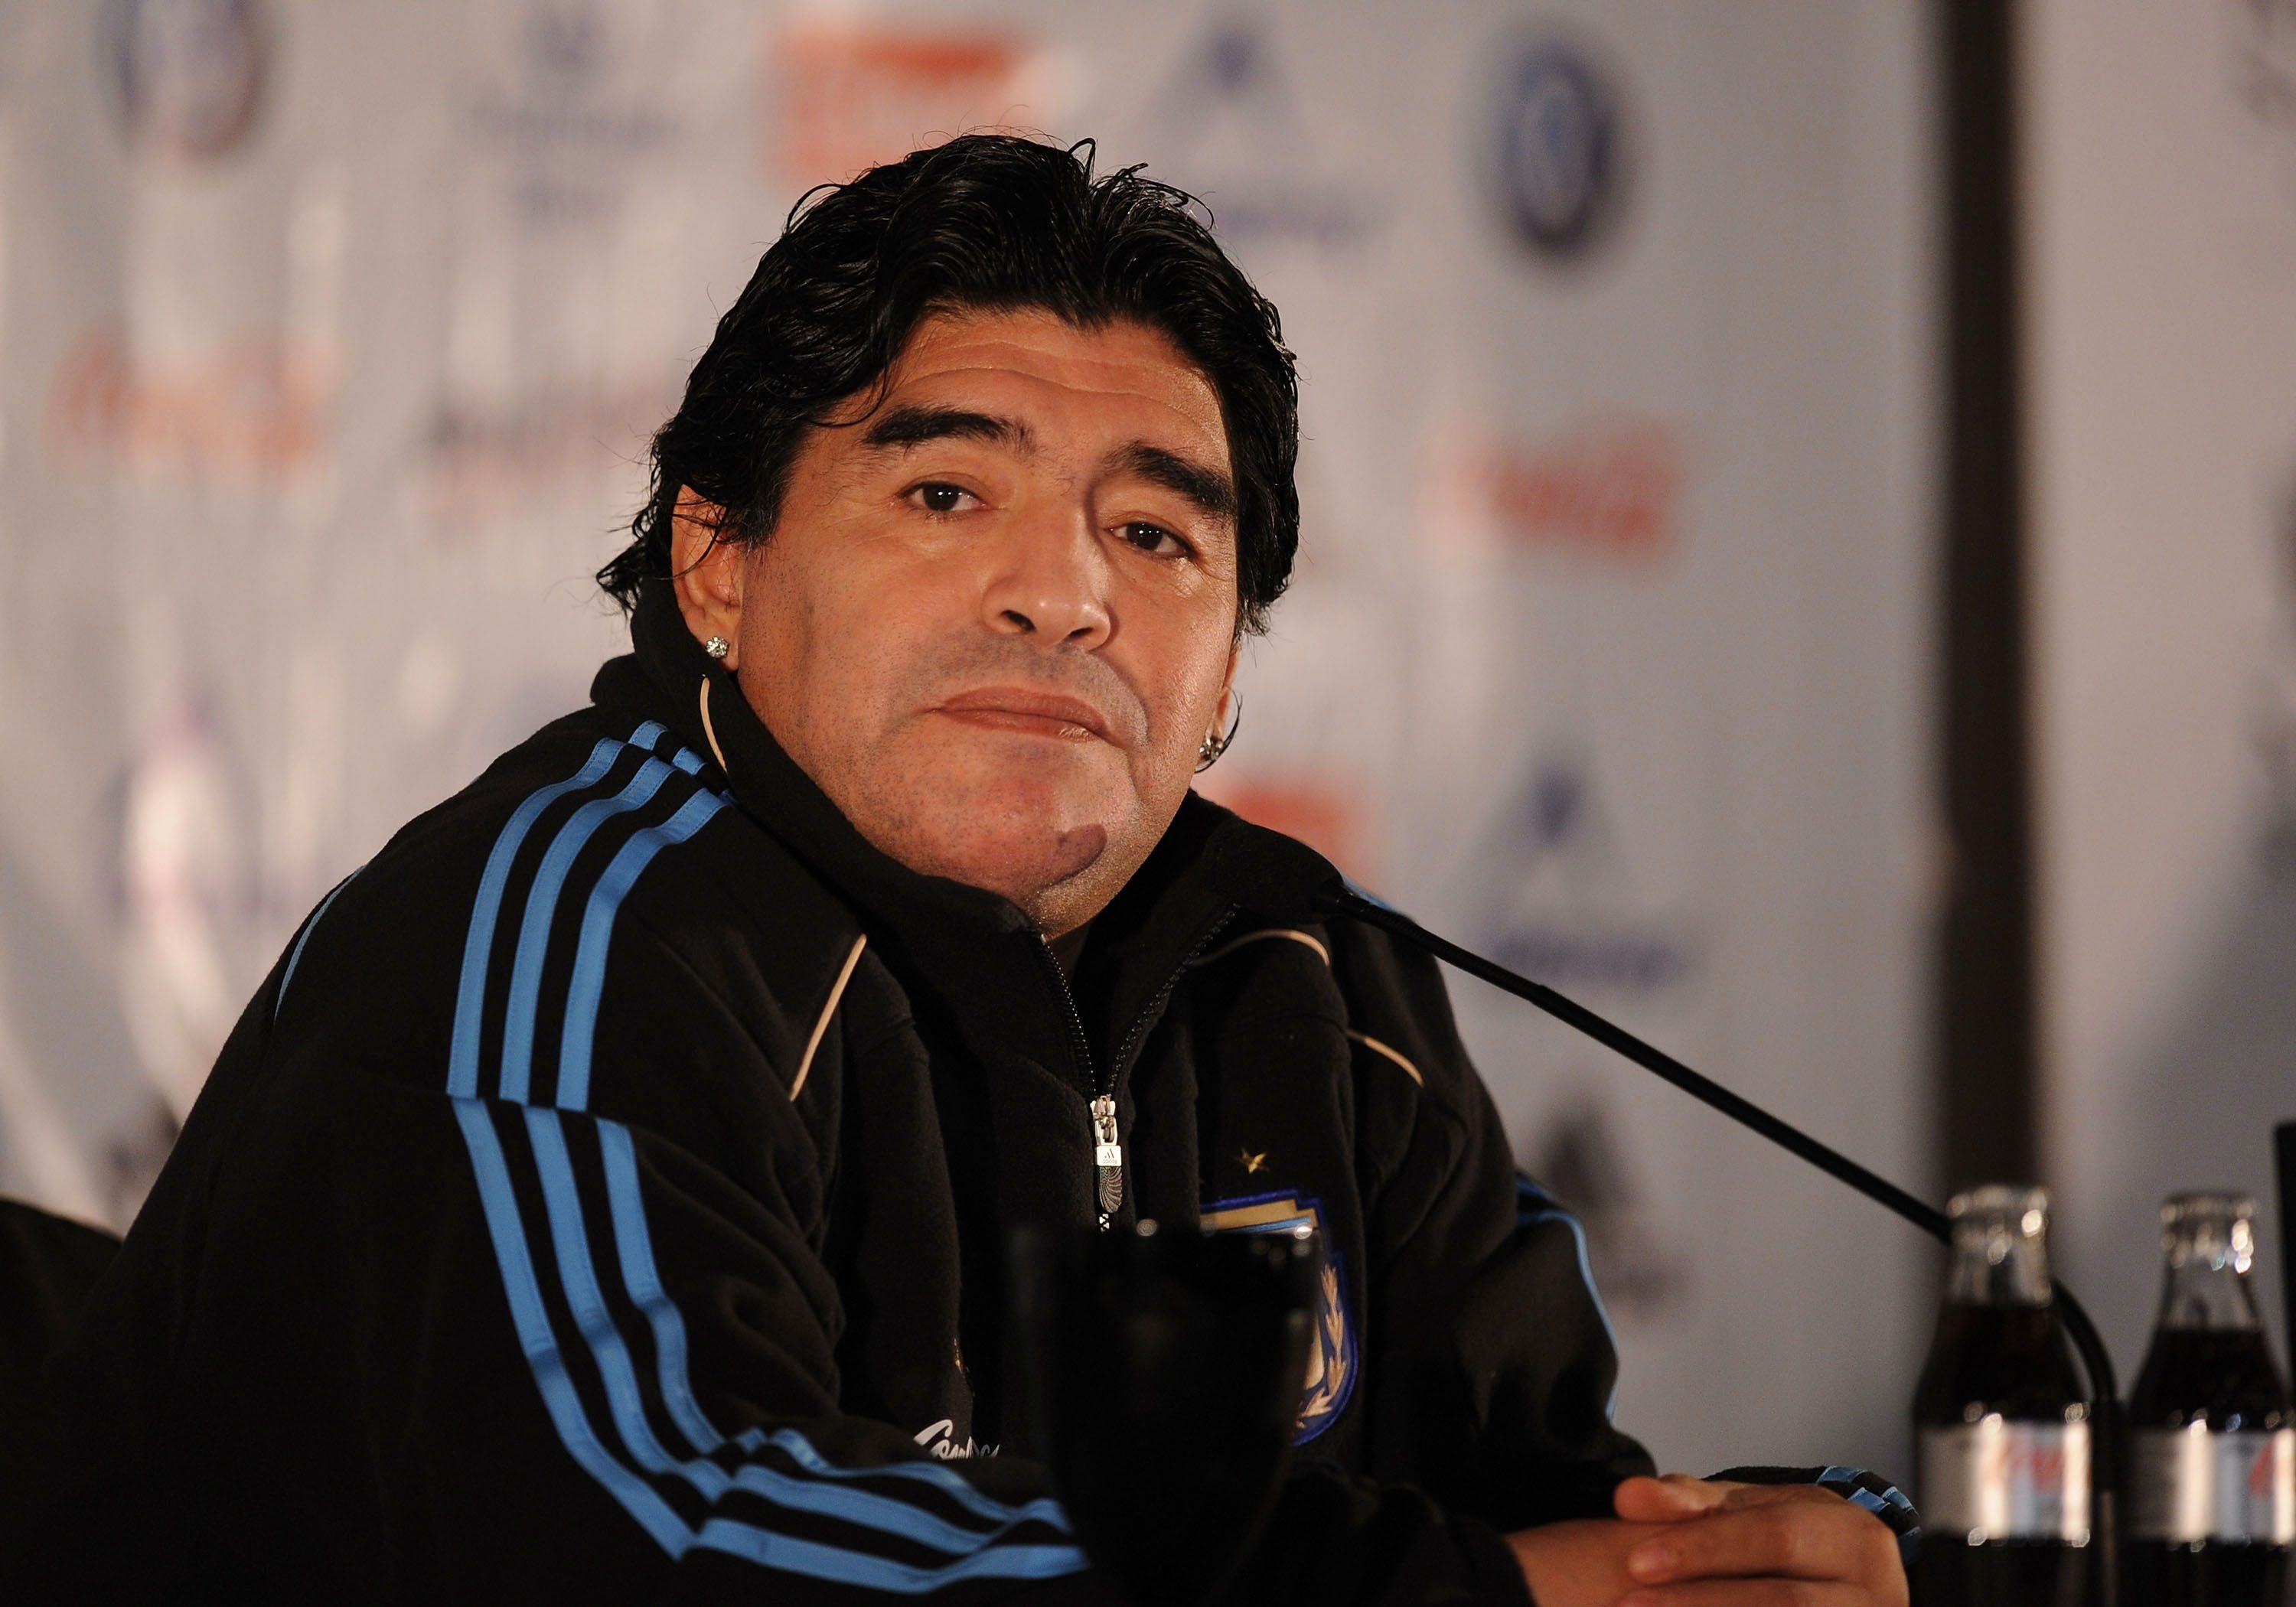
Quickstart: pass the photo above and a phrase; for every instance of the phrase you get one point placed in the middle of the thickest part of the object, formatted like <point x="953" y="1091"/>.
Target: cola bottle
<point x="2212" y="1466"/>
<point x="2001" y="1420"/>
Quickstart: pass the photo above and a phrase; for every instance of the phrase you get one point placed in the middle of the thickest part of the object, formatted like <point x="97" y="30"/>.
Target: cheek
<point x="801" y="642"/>
<point x="1185" y="700"/>
<point x="879" y="645"/>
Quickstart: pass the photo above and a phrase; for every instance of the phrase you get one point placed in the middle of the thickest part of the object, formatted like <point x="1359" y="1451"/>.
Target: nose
<point x="1051" y="584"/>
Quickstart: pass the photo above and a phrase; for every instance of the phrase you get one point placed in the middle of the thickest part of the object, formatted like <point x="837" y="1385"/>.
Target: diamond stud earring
<point x="717" y="647"/>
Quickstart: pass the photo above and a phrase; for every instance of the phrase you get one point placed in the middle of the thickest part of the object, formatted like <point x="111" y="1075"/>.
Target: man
<point x="604" y="1197"/>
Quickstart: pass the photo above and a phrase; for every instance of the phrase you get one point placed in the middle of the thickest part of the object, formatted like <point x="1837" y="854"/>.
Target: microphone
<point x="1267" y="871"/>
<point x="1281" y="876"/>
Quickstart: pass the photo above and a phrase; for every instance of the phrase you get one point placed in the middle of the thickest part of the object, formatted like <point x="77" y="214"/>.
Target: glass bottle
<point x="2212" y="1464"/>
<point x="2001" y="1420"/>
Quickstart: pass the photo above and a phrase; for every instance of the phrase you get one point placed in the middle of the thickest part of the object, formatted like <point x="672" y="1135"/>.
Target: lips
<point x="1022" y="709"/>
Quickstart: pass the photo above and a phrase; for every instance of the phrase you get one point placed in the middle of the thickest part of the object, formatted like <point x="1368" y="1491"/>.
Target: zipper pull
<point x="1107" y="1155"/>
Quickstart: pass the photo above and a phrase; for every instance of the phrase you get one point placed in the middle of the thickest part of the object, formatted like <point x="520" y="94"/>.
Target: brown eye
<point x="1153" y="538"/>
<point x="936" y="498"/>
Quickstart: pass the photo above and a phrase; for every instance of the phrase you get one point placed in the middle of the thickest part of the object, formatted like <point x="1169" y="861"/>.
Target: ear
<point x="706" y="572"/>
<point x="1221" y="710"/>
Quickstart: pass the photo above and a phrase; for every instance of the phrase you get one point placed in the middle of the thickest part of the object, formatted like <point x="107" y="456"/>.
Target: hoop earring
<point x="1208" y="754"/>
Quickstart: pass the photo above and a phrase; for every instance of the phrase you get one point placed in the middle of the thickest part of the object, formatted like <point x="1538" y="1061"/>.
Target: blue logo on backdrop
<point x="1227" y="125"/>
<point x="568" y="104"/>
<point x="1561" y="148"/>
<point x="188" y="74"/>
<point x="1558" y="899"/>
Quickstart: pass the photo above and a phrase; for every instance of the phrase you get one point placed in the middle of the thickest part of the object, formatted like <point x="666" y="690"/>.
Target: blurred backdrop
<point x="1800" y="547"/>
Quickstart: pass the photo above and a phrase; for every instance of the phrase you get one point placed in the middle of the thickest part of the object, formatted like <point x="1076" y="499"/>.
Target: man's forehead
<point x="1038" y="362"/>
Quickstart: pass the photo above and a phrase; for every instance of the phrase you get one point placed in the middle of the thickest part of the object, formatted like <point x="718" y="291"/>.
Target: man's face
<point x="997" y="615"/>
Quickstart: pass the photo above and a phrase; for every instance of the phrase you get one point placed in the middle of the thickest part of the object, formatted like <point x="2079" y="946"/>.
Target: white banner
<point x="2161" y="172"/>
<point x="332" y="336"/>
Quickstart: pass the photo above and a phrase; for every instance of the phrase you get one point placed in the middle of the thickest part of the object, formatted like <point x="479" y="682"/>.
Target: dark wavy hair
<point x="986" y="222"/>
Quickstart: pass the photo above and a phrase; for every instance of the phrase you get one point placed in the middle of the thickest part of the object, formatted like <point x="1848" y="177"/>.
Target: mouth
<point x="1027" y="712"/>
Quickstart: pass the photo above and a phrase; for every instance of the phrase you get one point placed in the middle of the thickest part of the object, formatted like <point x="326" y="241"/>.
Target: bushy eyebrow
<point x="914" y="426"/>
<point x="1210" y="489"/>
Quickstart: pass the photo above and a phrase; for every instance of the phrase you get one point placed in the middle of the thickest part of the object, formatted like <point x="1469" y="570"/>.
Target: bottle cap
<point x="2002" y="1199"/>
<point x="2206" y="1205"/>
<point x="2215" y="1227"/>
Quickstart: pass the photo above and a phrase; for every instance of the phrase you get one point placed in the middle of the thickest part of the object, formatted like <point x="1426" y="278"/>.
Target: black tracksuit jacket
<point x="603" y="1199"/>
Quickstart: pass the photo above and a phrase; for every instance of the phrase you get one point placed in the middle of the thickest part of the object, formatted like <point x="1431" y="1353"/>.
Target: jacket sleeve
<point x="1496" y="1385"/>
<point x="661" y="1334"/>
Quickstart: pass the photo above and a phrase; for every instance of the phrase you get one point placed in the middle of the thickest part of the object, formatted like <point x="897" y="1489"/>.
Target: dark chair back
<point x="47" y="1266"/>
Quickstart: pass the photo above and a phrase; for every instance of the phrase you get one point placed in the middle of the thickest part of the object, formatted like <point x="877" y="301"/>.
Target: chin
<point x="1017" y="834"/>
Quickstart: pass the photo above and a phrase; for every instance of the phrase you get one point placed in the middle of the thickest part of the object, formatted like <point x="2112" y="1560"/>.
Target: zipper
<point x="1107" y="1148"/>
<point x="1107" y="1143"/>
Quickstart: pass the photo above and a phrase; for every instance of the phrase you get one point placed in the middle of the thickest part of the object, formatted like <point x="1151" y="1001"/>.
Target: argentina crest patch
<point x="1332" y="1361"/>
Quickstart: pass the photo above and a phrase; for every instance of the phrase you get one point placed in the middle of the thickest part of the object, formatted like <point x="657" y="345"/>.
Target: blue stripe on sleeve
<point x="578" y="1278"/>
<point x="477" y="945"/>
<point x="633" y="1248"/>
<point x="295" y="955"/>
<point x="1044" y="1509"/>
<point x="584" y="992"/>
<point x="570" y="1239"/>
<point x="649" y="737"/>
<point x="535" y="1338"/>
<point x="1889" y="1495"/>
<point x="542" y="904"/>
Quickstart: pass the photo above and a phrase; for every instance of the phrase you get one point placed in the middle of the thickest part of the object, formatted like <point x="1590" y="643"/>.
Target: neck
<point x="1067" y="947"/>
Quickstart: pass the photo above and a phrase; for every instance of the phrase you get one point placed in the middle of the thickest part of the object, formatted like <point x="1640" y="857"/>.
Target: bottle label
<point x="2188" y="1485"/>
<point x="1995" y="1479"/>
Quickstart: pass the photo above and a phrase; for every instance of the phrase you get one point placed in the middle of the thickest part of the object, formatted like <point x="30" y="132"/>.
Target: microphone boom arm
<point x="1833" y="1162"/>
<point x="1338" y="898"/>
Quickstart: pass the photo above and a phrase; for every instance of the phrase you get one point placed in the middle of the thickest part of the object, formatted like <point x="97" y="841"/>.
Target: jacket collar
<point x="979" y="951"/>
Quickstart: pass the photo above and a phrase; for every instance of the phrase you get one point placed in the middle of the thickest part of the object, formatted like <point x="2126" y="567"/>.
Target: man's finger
<point x="1738" y="1496"/>
<point x="1788" y="1539"/>
<point x="1749" y="1593"/>
<point x="1668" y="1499"/>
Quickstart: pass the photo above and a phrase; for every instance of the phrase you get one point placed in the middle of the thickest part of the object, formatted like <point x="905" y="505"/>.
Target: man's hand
<point x="1684" y="1542"/>
<point x="1581" y="1563"/>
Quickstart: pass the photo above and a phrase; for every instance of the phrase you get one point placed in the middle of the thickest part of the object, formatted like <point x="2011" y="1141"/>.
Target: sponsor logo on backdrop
<point x="843" y="97"/>
<point x="251" y="412"/>
<point x="1228" y="124"/>
<point x="1560" y="147"/>
<point x="187" y="77"/>
<point x="1605" y="490"/>
<point x="1577" y="1156"/>
<point x="1557" y="898"/>
<point x="564" y="440"/>
<point x="570" y="110"/>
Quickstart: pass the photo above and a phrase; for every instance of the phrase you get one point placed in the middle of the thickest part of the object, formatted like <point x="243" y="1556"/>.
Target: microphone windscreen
<point x="1274" y="875"/>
